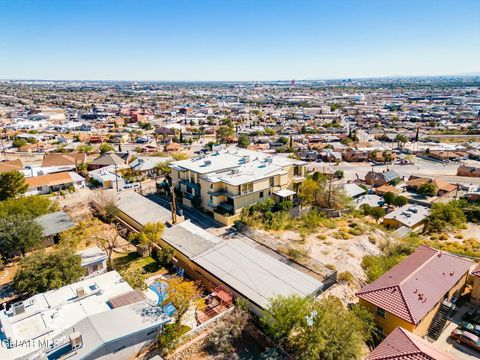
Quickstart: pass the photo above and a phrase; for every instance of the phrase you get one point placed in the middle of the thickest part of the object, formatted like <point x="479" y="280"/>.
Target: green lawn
<point x="133" y="260"/>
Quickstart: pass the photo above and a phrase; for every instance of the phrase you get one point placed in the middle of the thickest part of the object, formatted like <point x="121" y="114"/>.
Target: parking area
<point x="196" y="216"/>
<point x="446" y="343"/>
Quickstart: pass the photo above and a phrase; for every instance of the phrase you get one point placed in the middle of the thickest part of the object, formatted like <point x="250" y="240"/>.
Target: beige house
<point x="224" y="182"/>
<point x="475" y="276"/>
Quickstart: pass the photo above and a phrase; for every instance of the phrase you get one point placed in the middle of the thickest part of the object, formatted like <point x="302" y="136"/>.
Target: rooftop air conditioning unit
<point x="80" y="292"/>
<point x="76" y="340"/>
<point x="18" y="308"/>
<point x="235" y="171"/>
<point x="207" y="162"/>
<point x="246" y="158"/>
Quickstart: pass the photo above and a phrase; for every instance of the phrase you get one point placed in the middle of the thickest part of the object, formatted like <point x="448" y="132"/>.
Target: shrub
<point x="345" y="276"/>
<point x="295" y="253"/>
<point x="376" y="265"/>
<point x="169" y="337"/>
<point x="342" y="235"/>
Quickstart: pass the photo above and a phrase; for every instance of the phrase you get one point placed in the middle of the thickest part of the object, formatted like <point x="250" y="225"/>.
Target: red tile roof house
<point x="475" y="296"/>
<point x="411" y="293"/>
<point x="403" y="345"/>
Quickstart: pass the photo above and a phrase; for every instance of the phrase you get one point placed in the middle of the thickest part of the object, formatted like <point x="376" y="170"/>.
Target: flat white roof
<point x="141" y="209"/>
<point x="249" y="165"/>
<point x="47" y="315"/>
<point x="253" y="274"/>
<point x="284" y="193"/>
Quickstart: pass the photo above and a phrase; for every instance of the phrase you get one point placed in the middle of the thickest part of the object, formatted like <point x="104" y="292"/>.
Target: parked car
<point x="466" y="338"/>
<point x="473" y="317"/>
<point x="471" y="328"/>
<point x="131" y="186"/>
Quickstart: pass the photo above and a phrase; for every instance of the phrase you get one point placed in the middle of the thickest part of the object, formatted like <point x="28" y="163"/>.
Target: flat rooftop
<point x="141" y="209"/>
<point x="249" y="165"/>
<point x="48" y="314"/>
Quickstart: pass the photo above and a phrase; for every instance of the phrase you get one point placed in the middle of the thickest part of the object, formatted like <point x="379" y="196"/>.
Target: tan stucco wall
<point x="475" y="296"/>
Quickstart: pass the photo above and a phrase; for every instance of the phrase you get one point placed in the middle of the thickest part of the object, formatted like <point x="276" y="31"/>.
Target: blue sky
<point x="237" y="39"/>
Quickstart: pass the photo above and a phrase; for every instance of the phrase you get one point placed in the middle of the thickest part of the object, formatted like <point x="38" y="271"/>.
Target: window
<point x="272" y="181"/>
<point x="247" y="188"/>
<point x="211" y="199"/>
<point x="379" y="329"/>
<point x="39" y="188"/>
<point x="261" y="194"/>
<point x="96" y="267"/>
<point x="211" y="186"/>
<point x="380" y="312"/>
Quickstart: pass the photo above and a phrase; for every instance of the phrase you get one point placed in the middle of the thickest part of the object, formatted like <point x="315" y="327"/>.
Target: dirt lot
<point x="340" y="246"/>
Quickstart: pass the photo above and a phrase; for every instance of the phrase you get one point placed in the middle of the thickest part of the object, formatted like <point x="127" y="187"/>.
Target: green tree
<point x="84" y="148"/>
<point x="401" y="139"/>
<point x="12" y="183"/>
<point x="225" y="134"/>
<point x="150" y="235"/>
<point x="377" y="212"/>
<point x="135" y="277"/>
<point x="243" y="141"/>
<point x="18" y="143"/>
<point x="308" y="191"/>
<point x="269" y="131"/>
<point x="19" y="233"/>
<point x="283" y="314"/>
<point x="427" y="189"/>
<point x="317" y="329"/>
<point x="41" y="272"/>
<point x="443" y="217"/>
<point x="104" y="148"/>
<point x="400" y="201"/>
<point x="389" y="198"/>
<point x="339" y="174"/>
<point x="32" y="206"/>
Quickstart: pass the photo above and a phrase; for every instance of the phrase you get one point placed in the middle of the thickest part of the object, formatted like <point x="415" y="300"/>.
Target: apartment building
<point x="224" y="182"/>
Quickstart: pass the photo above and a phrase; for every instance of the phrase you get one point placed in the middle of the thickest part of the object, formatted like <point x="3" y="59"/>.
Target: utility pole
<point x="174" y="207"/>
<point x="330" y="191"/>
<point x="116" y="178"/>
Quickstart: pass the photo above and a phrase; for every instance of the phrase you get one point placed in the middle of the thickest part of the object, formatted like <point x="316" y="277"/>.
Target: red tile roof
<point x="476" y="271"/>
<point x="413" y="287"/>
<point x="403" y="345"/>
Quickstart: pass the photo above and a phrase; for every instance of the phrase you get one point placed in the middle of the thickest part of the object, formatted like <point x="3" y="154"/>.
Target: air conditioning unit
<point x="76" y="340"/>
<point x="18" y="308"/>
<point x="246" y="158"/>
<point x="207" y="162"/>
<point x="80" y="292"/>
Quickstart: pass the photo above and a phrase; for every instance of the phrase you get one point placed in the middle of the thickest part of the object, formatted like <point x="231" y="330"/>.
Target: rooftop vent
<point x="80" y="292"/>
<point x="76" y="340"/>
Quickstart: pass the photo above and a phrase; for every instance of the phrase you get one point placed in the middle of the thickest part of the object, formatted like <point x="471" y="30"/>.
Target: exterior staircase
<point x="440" y="319"/>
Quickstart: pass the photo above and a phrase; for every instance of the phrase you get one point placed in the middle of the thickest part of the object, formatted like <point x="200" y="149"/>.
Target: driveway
<point x="195" y="216"/>
<point x="446" y="343"/>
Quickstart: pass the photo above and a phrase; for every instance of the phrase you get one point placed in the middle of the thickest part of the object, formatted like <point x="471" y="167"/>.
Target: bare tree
<point x="105" y="205"/>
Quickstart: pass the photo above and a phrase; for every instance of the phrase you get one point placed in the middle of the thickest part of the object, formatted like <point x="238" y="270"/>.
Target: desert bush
<point x="345" y="276"/>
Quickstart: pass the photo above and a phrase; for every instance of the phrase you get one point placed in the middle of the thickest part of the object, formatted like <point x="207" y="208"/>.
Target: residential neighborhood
<point x="239" y="180"/>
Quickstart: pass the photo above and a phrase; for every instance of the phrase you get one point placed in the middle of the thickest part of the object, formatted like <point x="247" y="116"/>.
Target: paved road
<point x="195" y="216"/>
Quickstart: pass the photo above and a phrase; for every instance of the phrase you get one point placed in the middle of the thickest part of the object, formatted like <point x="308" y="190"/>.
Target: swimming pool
<point x="160" y="289"/>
